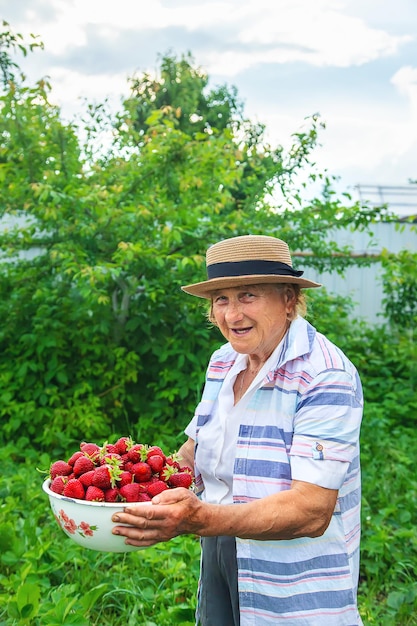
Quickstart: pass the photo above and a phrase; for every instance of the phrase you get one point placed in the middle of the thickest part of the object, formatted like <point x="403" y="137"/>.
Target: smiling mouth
<point x="239" y="332"/>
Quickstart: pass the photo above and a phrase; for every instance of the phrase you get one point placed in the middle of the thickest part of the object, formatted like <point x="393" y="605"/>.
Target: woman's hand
<point x="171" y="513"/>
<point x="305" y="510"/>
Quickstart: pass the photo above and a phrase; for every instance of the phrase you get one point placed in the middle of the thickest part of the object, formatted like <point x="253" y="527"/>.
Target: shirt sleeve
<point x="191" y="429"/>
<point x="326" y="429"/>
<point x="328" y="474"/>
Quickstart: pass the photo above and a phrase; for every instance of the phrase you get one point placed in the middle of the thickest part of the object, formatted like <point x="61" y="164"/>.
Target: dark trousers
<point x="218" y="599"/>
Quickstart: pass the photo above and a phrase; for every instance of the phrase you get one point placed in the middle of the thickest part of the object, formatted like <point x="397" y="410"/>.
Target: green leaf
<point x="27" y="599"/>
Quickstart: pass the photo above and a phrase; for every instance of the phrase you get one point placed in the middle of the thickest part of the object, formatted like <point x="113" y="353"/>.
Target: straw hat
<point x="247" y="260"/>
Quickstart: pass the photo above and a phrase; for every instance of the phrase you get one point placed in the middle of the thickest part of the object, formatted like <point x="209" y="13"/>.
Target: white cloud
<point x="363" y="134"/>
<point x="66" y="29"/>
<point x="405" y="80"/>
<point x="68" y="87"/>
<point x="273" y="31"/>
<point x="318" y="33"/>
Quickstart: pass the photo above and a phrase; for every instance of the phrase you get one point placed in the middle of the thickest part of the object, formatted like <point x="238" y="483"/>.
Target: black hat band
<point x="247" y="268"/>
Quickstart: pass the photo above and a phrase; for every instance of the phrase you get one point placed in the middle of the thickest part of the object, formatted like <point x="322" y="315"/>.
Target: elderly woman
<point x="274" y="444"/>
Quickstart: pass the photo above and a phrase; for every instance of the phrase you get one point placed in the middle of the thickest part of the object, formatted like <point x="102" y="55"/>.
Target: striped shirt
<point x="301" y="423"/>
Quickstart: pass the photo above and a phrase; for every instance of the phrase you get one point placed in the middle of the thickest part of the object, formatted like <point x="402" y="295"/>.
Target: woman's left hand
<point x="171" y="513"/>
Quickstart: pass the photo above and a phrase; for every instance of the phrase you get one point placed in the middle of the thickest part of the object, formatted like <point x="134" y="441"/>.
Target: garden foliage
<point x="97" y="340"/>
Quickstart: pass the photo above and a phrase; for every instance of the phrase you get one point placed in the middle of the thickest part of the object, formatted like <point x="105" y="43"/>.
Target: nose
<point x="234" y="311"/>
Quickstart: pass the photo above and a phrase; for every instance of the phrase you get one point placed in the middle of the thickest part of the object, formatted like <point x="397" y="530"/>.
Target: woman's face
<point x="253" y="318"/>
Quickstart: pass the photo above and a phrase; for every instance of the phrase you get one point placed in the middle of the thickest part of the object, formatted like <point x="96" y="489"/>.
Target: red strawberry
<point x="90" y="449"/>
<point x="111" y="495"/>
<point x="143" y="487"/>
<point x="82" y="465"/>
<point x="60" y="468"/>
<point x="127" y="466"/>
<point x="143" y="497"/>
<point x="94" y="494"/>
<point x="106" y="476"/>
<point x="110" y="448"/>
<point x="166" y="472"/>
<point x="141" y="471"/>
<point x="111" y="458"/>
<point x="137" y="453"/>
<point x="181" y="479"/>
<point x="156" y="487"/>
<point x="156" y="450"/>
<point x="125" y="479"/>
<point x="74" y="489"/>
<point x="102" y="477"/>
<point x="123" y="444"/>
<point x="74" y="457"/>
<point x="173" y="461"/>
<point x="58" y="484"/>
<point x="156" y="463"/>
<point x="129" y="493"/>
<point x="87" y="478"/>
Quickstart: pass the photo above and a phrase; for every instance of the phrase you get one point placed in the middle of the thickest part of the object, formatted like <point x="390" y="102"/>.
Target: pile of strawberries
<point x="121" y="472"/>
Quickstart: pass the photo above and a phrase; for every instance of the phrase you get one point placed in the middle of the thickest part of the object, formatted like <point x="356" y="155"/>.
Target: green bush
<point x="46" y="579"/>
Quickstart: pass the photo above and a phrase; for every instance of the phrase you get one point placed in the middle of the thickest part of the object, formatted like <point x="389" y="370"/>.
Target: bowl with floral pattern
<point x="89" y="524"/>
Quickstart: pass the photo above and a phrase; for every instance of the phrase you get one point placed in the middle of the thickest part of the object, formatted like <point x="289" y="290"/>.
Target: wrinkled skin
<point x="302" y="511"/>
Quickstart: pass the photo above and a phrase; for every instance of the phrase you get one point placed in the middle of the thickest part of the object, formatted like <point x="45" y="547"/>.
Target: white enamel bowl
<point x="89" y="523"/>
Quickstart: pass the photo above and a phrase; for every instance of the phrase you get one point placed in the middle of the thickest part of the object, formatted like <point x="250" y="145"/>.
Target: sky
<point x="354" y="62"/>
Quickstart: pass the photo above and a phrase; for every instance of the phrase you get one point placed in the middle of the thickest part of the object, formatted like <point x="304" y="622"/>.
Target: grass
<point x="46" y="580"/>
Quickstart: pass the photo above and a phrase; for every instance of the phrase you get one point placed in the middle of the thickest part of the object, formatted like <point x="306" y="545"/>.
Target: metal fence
<point x="364" y="285"/>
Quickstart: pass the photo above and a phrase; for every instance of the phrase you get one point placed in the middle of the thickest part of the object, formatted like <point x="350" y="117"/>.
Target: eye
<point x="220" y="299"/>
<point x="248" y="296"/>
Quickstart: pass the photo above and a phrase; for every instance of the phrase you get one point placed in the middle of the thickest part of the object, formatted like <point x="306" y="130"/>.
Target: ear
<point x="290" y="299"/>
<point x="289" y="293"/>
<point x="210" y="315"/>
